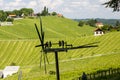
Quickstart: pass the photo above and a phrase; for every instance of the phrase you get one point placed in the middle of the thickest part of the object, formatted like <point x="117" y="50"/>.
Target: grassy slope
<point x="54" y="27"/>
<point x="23" y="52"/>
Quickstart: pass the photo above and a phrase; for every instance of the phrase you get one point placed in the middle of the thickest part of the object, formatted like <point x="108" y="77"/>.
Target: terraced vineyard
<point x="54" y="27"/>
<point x="22" y="52"/>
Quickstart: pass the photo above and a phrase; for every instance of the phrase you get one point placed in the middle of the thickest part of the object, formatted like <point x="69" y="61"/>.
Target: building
<point x="12" y="16"/>
<point x="99" y="24"/>
<point x="98" y="32"/>
<point x="59" y="15"/>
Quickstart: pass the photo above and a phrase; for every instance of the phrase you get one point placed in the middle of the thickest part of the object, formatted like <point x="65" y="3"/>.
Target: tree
<point x="92" y="22"/>
<point x="107" y="27"/>
<point x="54" y="13"/>
<point x="3" y="15"/>
<point x="115" y="4"/>
<point x="45" y="11"/>
<point x="38" y="14"/>
<point x="8" y="12"/>
<point x="117" y="23"/>
<point x="10" y="20"/>
<point x="26" y="11"/>
<point x="17" y="12"/>
<point x="81" y="23"/>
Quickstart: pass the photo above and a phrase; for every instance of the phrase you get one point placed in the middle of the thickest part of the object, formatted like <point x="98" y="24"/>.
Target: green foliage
<point x="107" y="27"/>
<point x="13" y="64"/>
<point x="38" y="14"/>
<point x="91" y="22"/>
<point x="104" y="21"/>
<point x="27" y="11"/>
<point x="115" y="4"/>
<point x="3" y="15"/>
<point x="10" y="20"/>
<point x="30" y="17"/>
<point x="54" y="13"/>
<point x="9" y="12"/>
<point x="45" y="11"/>
<point x="52" y="72"/>
<point x="17" y="12"/>
<point x="81" y="23"/>
<point x="117" y="24"/>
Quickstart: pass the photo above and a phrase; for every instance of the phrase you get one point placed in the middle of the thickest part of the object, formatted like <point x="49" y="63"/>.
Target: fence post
<point x="109" y="72"/>
<point x="101" y="74"/>
<point x="90" y="76"/>
<point x="105" y="73"/>
<point x="20" y="75"/>
<point x="98" y="73"/>
<point x="112" y="72"/>
<point x="118" y="70"/>
<point x="94" y="75"/>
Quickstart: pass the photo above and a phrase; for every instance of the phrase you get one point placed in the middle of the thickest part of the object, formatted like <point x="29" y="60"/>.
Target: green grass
<point x="23" y="53"/>
<point x="54" y="27"/>
<point x="18" y="47"/>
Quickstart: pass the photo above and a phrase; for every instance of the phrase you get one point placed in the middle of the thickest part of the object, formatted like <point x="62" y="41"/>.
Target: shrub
<point x="52" y="72"/>
<point x="12" y="64"/>
<point x="81" y="23"/>
<point x="10" y="19"/>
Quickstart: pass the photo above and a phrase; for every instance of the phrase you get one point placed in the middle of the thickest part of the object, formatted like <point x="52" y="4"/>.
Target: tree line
<point x="90" y="22"/>
<point x="105" y="27"/>
<point x="45" y="12"/>
<point x="25" y="11"/>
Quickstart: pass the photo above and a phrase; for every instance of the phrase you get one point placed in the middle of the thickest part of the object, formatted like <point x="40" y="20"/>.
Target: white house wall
<point x="98" y="33"/>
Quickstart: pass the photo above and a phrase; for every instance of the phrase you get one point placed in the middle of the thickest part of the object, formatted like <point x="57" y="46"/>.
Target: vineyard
<point x="21" y="51"/>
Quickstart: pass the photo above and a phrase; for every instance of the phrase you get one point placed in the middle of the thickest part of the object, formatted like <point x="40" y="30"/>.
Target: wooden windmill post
<point x="64" y="47"/>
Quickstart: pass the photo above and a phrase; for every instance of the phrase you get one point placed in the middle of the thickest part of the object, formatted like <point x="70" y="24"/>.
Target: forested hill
<point x="104" y="21"/>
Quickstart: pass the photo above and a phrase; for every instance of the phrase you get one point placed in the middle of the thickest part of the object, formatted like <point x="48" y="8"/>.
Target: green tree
<point x="10" y="20"/>
<point x="38" y="14"/>
<point x="117" y="23"/>
<point x="26" y="11"/>
<point x="44" y="11"/>
<point x="54" y="13"/>
<point x="92" y="22"/>
<point x="9" y="12"/>
<point x="81" y="23"/>
<point x="17" y="12"/>
<point x="115" y="4"/>
<point x="107" y="27"/>
<point x="3" y="15"/>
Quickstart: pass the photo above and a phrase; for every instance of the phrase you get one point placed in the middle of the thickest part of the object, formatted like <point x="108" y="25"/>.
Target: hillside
<point x="54" y="27"/>
<point x="24" y="53"/>
<point x="18" y="48"/>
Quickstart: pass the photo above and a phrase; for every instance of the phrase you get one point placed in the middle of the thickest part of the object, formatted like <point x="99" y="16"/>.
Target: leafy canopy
<point x="115" y="4"/>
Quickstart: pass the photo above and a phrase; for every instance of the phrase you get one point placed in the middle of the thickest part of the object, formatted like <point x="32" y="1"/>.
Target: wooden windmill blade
<point x="38" y="35"/>
<point x="83" y="46"/>
<point x="41" y="38"/>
